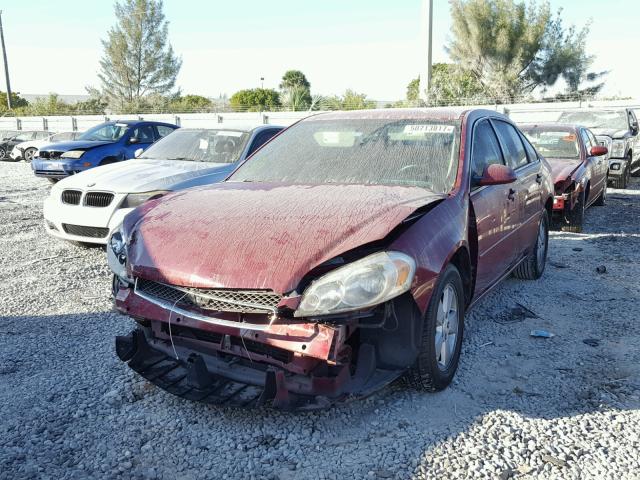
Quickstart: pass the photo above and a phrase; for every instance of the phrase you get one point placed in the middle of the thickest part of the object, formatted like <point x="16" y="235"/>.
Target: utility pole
<point x="6" y="66"/>
<point x="426" y="38"/>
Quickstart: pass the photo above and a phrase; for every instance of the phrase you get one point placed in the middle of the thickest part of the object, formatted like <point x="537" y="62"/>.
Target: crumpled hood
<point x="256" y="235"/>
<point x="561" y="169"/>
<point x="74" y="145"/>
<point x="610" y="132"/>
<point x="139" y="175"/>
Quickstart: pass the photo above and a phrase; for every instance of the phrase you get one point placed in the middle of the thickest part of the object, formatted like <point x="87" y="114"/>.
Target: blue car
<point x="106" y="143"/>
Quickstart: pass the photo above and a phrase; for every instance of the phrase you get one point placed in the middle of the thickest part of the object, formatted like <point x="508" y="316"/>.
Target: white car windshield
<point x="597" y="119"/>
<point x="200" y="145"/>
<point x="421" y="153"/>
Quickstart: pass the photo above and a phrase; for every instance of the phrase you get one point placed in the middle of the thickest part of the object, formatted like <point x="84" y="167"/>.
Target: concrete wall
<point x="532" y="112"/>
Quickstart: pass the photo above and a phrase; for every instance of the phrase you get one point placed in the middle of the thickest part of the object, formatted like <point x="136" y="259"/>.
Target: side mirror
<point x="133" y="140"/>
<point x="598" y="151"/>
<point x="634" y="128"/>
<point x="496" y="175"/>
<point x="138" y="152"/>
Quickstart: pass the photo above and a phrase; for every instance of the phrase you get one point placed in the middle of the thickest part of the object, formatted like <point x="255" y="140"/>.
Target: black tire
<point x="634" y="173"/>
<point x="29" y="153"/>
<point x="620" y="182"/>
<point x="3" y="154"/>
<point x="533" y="266"/>
<point x="576" y="216"/>
<point x="601" y="201"/>
<point x="427" y="373"/>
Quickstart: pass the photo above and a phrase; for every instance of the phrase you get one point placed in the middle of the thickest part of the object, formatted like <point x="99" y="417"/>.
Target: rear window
<point x="554" y="143"/>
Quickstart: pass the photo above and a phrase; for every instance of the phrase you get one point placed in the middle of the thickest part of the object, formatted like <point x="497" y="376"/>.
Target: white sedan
<point x="27" y="150"/>
<point x="88" y="206"/>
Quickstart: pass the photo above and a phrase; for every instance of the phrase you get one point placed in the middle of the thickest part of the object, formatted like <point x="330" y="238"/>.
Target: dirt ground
<point x="520" y="407"/>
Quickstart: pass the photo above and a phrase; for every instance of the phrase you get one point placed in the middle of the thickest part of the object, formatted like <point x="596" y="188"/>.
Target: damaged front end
<point x="354" y="329"/>
<point x="220" y="352"/>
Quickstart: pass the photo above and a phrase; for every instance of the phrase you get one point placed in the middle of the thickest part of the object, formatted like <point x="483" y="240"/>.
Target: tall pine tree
<point x="138" y="60"/>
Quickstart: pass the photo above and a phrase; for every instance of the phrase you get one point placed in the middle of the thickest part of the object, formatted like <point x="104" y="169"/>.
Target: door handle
<point x="539" y="178"/>
<point x="512" y="194"/>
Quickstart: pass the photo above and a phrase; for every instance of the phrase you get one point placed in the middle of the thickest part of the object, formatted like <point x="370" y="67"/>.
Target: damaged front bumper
<point x="286" y="365"/>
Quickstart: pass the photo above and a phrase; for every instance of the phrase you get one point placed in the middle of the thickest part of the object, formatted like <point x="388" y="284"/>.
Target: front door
<point x="496" y="211"/>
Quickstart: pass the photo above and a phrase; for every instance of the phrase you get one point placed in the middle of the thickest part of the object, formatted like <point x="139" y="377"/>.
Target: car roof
<point x="133" y="123"/>
<point x="569" y="127"/>
<point x="237" y="128"/>
<point x="394" y="113"/>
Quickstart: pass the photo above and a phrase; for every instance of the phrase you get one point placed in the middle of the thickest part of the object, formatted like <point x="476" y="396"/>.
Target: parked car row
<point x="305" y="266"/>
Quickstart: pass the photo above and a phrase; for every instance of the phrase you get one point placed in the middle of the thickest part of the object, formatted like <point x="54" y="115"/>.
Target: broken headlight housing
<point x="134" y="200"/>
<point x="117" y="254"/>
<point x="364" y="283"/>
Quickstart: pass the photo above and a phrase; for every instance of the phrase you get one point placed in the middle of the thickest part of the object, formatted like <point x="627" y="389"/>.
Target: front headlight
<point x="117" y="254"/>
<point x="134" y="200"/>
<point x="618" y="148"/>
<point x="73" y="154"/>
<point x="364" y="283"/>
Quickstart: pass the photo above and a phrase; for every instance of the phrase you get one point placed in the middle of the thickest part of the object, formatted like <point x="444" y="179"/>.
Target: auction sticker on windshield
<point x="420" y="129"/>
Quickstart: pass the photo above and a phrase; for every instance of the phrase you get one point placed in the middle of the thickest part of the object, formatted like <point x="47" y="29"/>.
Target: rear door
<point x="495" y="209"/>
<point x="528" y="187"/>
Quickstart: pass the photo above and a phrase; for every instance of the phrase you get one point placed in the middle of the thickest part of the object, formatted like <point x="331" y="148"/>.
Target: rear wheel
<point x="443" y="327"/>
<point x="532" y="267"/>
<point x="576" y="216"/>
<point x="3" y="153"/>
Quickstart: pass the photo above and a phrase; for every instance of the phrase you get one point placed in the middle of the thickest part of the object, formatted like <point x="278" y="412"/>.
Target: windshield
<point x="200" y="145"/>
<point x="359" y="151"/>
<point x="110" y="132"/>
<point x="554" y="143"/>
<point x="61" y="137"/>
<point x="598" y="119"/>
<point x="23" y="137"/>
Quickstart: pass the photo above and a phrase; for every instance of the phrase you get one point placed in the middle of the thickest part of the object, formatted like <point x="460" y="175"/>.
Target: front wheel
<point x="442" y="331"/>
<point x="576" y="216"/>
<point x="532" y="267"/>
<point x="29" y="153"/>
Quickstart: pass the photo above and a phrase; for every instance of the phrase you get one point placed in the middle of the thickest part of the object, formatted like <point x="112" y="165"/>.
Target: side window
<point x="592" y="137"/>
<point x="261" y="139"/>
<point x="144" y="134"/>
<point x="163" y="131"/>
<point x="586" y="140"/>
<point x="485" y="150"/>
<point x="40" y="135"/>
<point x="514" y="152"/>
<point x="532" y="154"/>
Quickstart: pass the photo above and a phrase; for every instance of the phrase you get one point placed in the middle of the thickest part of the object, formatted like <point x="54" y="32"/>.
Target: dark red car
<point x="340" y="256"/>
<point x="579" y="168"/>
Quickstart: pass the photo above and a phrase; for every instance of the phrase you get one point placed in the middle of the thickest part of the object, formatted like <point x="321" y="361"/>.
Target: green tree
<point x="356" y="101"/>
<point x="16" y="101"/>
<point x="296" y="90"/>
<point x="191" y="103"/>
<point x="413" y="90"/>
<point x="138" y="60"/>
<point x="50" y="105"/>
<point x="512" y="47"/>
<point x="255" y="100"/>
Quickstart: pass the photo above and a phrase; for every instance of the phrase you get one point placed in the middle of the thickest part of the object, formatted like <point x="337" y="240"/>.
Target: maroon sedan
<point x="579" y="167"/>
<point x="340" y="256"/>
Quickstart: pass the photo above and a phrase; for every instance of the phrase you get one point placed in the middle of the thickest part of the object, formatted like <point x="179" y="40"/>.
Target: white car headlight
<point x="364" y="283"/>
<point x="117" y="254"/>
<point x="617" y="150"/>
<point x="134" y="200"/>
<point x="73" y="154"/>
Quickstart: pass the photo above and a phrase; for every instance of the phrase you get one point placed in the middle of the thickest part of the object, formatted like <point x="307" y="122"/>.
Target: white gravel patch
<point x="520" y="407"/>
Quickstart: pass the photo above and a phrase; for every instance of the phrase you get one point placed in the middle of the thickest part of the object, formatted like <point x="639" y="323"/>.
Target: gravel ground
<point x="520" y="407"/>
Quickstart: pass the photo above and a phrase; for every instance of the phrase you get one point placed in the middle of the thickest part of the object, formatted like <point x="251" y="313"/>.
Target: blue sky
<point x="372" y="46"/>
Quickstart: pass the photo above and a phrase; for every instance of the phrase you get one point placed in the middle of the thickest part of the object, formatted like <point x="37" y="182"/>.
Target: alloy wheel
<point x="446" y="334"/>
<point x="541" y="245"/>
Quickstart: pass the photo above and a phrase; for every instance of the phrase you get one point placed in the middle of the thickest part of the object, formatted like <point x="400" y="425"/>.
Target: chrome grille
<point x="71" y="197"/>
<point x="219" y="300"/>
<point x="83" y="231"/>
<point x="98" y="199"/>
